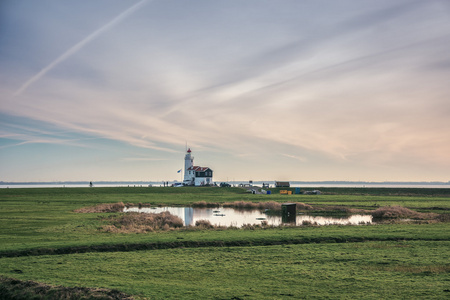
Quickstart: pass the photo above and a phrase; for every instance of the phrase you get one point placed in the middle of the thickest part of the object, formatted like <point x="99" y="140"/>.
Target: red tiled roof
<point x="198" y="169"/>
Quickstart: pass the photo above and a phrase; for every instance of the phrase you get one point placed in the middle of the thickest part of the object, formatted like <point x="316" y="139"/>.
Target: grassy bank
<point x="371" y="270"/>
<point x="43" y="239"/>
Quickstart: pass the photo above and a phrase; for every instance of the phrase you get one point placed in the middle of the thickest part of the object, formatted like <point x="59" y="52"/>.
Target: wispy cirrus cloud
<point x="74" y="49"/>
<point x="143" y="159"/>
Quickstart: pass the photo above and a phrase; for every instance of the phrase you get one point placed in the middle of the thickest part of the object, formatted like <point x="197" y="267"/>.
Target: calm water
<point x="231" y="217"/>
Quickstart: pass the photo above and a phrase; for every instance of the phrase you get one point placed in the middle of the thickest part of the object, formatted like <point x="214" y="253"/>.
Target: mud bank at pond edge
<point x="11" y="288"/>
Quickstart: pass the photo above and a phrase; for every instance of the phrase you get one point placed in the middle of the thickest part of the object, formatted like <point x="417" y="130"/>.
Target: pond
<point x="236" y="217"/>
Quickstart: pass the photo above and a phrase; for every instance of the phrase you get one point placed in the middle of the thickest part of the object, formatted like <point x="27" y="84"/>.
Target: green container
<point x="288" y="212"/>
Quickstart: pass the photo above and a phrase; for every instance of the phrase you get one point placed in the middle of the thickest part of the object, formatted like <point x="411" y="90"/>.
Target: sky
<point x="305" y="90"/>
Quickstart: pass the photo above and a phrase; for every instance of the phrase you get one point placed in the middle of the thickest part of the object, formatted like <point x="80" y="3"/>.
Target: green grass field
<point x="42" y="239"/>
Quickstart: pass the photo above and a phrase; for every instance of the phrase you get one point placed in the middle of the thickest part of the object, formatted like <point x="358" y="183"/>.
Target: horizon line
<point x="175" y="180"/>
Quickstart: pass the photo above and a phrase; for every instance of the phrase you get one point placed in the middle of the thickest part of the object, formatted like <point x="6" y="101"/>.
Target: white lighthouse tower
<point x="188" y="163"/>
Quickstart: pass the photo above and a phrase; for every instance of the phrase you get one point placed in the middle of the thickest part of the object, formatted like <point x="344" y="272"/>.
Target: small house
<point x="199" y="175"/>
<point x="282" y="184"/>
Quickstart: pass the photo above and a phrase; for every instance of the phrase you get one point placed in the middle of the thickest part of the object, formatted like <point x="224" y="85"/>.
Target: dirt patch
<point x="102" y="208"/>
<point x="17" y="289"/>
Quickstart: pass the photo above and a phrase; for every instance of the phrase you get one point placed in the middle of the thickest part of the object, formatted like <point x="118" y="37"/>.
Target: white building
<point x="195" y="175"/>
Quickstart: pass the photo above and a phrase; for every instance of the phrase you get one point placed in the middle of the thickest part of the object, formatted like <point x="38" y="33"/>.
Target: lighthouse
<point x="188" y="163"/>
<point x="195" y="175"/>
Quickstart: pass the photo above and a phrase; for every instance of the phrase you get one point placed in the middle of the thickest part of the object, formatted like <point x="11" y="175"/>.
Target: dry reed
<point x="102" y="208"/>
<point x="399" y="212"/>
<point x="309" y="223"/>
<point x="303" y="206"/>
<point x="205" y="204"/>
<point x="142" y="222"/>
<point x="270" y="205"/>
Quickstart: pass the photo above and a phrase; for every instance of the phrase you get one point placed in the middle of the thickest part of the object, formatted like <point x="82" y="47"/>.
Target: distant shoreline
<point x="354" y="184"/>
<point x="232" y="181"/>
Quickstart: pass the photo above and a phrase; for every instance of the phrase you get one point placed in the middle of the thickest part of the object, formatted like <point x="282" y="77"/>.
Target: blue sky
<point x="261" y="90"/>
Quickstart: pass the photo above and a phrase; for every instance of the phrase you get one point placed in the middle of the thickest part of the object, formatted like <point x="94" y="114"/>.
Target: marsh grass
<point x="141" y="222"/>
<point x="399" y="212"/>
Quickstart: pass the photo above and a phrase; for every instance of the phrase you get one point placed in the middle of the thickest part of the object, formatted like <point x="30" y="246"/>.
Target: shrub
<point x="204" y="224"/>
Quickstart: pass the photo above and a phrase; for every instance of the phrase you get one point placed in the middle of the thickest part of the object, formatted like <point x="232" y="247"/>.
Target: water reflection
<point x="233" y="217"/>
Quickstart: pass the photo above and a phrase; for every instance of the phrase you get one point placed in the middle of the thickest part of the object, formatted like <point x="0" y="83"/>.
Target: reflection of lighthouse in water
<point x="184" y="213"/>
<point x="188" y="216"/>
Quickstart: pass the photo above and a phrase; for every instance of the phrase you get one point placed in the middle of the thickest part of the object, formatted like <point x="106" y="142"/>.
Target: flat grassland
<point x="44" y="240"/>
